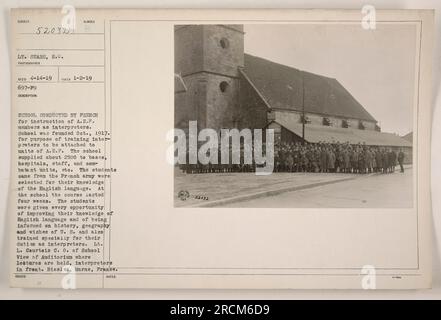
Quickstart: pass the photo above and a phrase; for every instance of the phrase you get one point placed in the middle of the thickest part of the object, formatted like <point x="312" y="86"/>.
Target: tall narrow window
<point x="344" y="123"/>
<point x="361" y="125"/>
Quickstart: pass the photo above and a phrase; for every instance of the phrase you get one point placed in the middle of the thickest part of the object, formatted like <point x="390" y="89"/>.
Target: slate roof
<point x="281" y="86"/>
<point x="317" y="133"/>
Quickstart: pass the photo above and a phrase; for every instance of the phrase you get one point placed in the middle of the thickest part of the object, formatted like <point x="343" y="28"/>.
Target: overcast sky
<point x="376" y="66"/>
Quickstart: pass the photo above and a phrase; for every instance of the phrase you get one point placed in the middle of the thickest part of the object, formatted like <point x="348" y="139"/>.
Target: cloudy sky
<point x="376" y="66"/>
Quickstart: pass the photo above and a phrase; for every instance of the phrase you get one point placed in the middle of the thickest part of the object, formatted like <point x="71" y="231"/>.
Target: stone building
<point x="220" y="86"/>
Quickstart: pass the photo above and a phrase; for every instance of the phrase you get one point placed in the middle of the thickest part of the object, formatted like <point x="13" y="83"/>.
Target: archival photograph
<point x="220" y="149"/>
<point x="295" y="115"/>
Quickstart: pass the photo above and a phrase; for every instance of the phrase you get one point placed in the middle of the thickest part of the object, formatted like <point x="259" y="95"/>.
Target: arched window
<point x="223" y="86"/>
<point x="224" y="43"/>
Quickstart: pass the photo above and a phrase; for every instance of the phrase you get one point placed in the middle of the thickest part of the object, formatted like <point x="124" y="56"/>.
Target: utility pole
<point x="303" y="107"/>
<point x="291" y="96"/>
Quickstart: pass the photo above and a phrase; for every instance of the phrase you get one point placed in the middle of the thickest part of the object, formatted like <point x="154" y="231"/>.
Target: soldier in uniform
<point x="323" y="160"/>
<point x="303" y="159"/>
<point x="330" y="159"/>
<point x="401" y="160"/>
<point x="374" y="159"/>
<point x="347" y="160"/>
<point x="385" y="161"/>
<point x="282" y="157"/>
<point x="296" y="158"/>
<point x="308" y="156"/>
<point x="315" y="157"/>
<point x="289" y="161"/>
<point x="276" y="159"/>
<point x="372" y="164"/>
<point x="354" y="160"/>
<point x="361" y="160"/>
<point x="340" y="160"/>
<point x="368" y="160"/>
<point x="379" y="160"/>
<point x="393" y="160"/>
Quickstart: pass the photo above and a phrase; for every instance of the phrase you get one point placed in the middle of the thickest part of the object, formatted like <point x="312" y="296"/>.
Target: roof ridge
<point x="290" y="67"/>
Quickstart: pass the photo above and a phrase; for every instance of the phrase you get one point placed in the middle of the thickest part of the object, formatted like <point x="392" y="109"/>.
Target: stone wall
<point x="191" y="105"/>
<point x="188" y="49"/>
<point x="208" y="58"/>
<point x="221" y="105"/>
<point x="223" y="60"/>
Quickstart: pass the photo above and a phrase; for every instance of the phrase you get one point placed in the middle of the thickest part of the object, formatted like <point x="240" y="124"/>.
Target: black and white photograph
<point x="233" y="151"/>
<point x="295" y="115"/>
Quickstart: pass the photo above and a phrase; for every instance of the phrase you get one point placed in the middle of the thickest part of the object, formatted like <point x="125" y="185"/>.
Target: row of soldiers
<point x="326" y="157"/>
<point x="321" y="157"/>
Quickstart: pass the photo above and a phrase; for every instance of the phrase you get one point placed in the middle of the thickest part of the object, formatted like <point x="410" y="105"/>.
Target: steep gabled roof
<point x="281" y="86"/>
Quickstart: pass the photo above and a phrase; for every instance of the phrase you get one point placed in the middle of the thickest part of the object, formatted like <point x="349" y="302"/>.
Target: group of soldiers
<point x="345" y="158"/>
<point x="320" y="157"/>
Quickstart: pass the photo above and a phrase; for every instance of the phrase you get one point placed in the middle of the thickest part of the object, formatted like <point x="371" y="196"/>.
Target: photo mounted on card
<point x="249" y="149"/>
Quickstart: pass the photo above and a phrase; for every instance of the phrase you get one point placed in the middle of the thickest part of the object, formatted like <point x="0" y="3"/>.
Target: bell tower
<point x="208" y="58"/>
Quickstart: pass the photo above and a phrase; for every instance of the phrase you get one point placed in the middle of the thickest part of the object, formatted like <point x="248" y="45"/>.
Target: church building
<point x="220" y="86"/>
